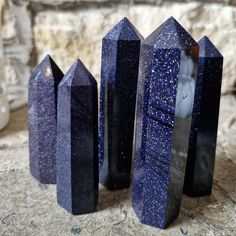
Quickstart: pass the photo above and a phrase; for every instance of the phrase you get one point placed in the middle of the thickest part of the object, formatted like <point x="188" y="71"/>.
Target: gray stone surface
<point x="29" y="208"/>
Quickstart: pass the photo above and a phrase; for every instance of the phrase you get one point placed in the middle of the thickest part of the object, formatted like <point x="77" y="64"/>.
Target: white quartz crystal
<point x="4" y="106"/>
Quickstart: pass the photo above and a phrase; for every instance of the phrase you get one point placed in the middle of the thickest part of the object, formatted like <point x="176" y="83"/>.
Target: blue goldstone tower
<point x="165" y="95"/>
<point x="42" y="109"/>
<point x="119" y="74"/>
<point x="202" y="145"/>
<point x="77" y="141"/>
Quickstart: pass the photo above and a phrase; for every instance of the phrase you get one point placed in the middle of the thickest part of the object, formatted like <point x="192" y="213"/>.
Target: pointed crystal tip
<point x="49" y="69"/>
<point x="170" y="35"/>
<point x="124" y="30"/>
<point x="207" y="48"/>
<point x="78" y="75"/>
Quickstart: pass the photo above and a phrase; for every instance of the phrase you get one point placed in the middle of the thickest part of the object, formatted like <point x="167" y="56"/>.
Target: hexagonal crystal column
<point x="119" y="74"/>
<point x="77" y="141"/>
<point x="202" y="145"/>
<point x="42" y="109"/>
<point x="164" y="109"/>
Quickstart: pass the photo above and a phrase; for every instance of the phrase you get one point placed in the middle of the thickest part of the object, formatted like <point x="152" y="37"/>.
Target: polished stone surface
<point x="119" y="74"/>
<point x="42" y="111"/>
<point x="165" y="97"/>
<point x="77" y="141"/>
<point x="202" y="145"/>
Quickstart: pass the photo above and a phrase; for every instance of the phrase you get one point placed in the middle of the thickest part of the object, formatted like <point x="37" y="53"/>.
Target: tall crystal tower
<point x="42" y="109"/>
<point x="77" y="141"/>
<point x="119" y="74"/>
<point x="202" y="145"/>
<point x="165" y="95"/>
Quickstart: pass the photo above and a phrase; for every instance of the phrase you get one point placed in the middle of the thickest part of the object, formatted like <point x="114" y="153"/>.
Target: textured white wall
<point x="68" y="29"/>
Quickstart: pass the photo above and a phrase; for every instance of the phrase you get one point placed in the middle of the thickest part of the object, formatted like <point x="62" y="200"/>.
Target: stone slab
<point x="30" y="208"/>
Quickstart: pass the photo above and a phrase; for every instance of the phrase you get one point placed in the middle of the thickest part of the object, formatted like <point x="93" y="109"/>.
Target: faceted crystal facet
<point x="43" y="86"/>
<point x="120" y="61"/>
<point x="202" y="144"/>
<point x="165" y="97"/>
<point x="77" y="141"/>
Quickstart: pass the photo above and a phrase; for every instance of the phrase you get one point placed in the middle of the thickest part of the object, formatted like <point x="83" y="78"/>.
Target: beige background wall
<point x="68" y="29"/>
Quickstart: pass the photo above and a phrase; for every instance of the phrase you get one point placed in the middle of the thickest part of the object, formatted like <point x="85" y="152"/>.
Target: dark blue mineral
<point x="119" y="74"/>
<point x="77" y="141"/>
<point x="42" y="110"/>
<point x="202" y="145"/>
<point x="165" y="95"/>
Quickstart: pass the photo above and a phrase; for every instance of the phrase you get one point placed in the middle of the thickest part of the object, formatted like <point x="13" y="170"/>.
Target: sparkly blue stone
<point x="165" y="94"/>
<point x="119" y="74"/>
<point x="202" y="144"/>
<point x="77" y="141"/>
<point x="42" y="109"/>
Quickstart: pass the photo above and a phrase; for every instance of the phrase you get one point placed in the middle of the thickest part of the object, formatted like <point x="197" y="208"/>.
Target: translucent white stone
<point x="4" y="106"/>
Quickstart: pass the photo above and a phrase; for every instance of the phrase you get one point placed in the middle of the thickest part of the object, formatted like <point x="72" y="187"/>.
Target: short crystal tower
<point x="167" y="75"/>
<point x="42" y="109"/>
<point x="119" y="74"/>
<point x="77" y="141"/>
<point x="202" y="145"/>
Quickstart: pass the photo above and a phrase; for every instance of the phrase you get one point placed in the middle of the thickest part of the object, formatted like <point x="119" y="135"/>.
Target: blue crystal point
<point x="43" y="86"/>
<point x="77" y="141"/>
<point x="47" y="69"/>
<point x="119" y="74"/>
<point x="207" y="48"/>
<point x="123" y="30"/>
<point x="165" y="94"/>
<point x="170" y="35"/>
<point x="78" y="75"/>
<point x="203" y="136"/>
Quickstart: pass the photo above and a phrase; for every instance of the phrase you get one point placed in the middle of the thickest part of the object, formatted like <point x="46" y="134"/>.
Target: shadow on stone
<point x="225" y="180"/>
<point x="110" y="199"/>
<point x="223" y="194"/>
